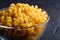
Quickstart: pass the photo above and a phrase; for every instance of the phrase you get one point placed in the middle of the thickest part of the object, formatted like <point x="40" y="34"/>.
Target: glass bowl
<point x="29" y="33"/>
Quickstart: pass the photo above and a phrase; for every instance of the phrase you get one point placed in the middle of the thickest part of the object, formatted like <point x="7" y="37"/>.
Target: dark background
<point x="53" y="9"/>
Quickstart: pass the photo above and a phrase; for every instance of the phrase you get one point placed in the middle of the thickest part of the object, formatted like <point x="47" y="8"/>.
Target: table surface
<point x="52" y="31"/>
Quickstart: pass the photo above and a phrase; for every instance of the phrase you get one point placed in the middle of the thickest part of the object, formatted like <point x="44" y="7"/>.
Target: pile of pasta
<point x="22" y="15"/>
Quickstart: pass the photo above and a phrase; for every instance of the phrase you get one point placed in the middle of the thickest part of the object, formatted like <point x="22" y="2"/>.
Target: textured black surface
<point x="53" y="9"/>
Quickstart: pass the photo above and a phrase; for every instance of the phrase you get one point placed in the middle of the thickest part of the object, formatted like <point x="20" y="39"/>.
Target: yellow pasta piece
<point x="8" y="21"/>
<point x="2" y="19"/>
<point x="19" y="12"/>
<point x="18" y="4"/>
<point x="15" y="12"/>
<point x="15" y="22"/>
<point x="46" y="15"/>
<point x="25" y="18"/>
<point x="10" y="11"/>
<point x="3" y="14"/>
<point x="36" y="6"/>
<point x="21" y="20"/>
<point x="12" y="6"/>
<point x="8" y="24"/>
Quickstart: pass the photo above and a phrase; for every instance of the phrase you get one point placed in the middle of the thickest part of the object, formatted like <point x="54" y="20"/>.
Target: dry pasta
<point x="22" y="15"/>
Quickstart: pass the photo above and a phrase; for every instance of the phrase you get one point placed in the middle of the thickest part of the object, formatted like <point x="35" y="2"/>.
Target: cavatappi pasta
<point x="22" y="15"/>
